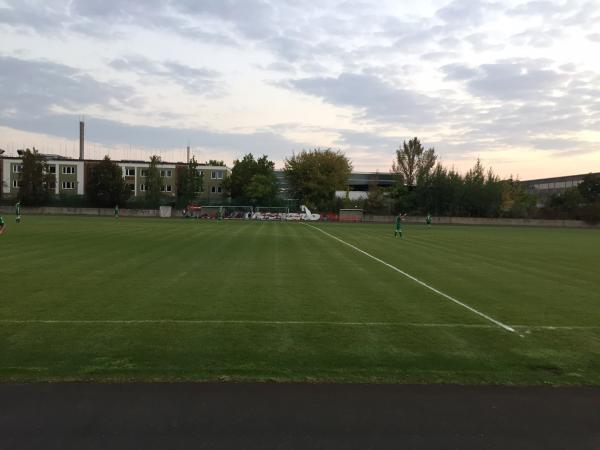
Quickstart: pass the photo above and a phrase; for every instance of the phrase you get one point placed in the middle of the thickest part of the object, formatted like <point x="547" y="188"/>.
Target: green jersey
<point x="398" y="222"/>
<point x="428" y="219"/>
<point x="18" y="209"/>
<point x="1" y="221"/>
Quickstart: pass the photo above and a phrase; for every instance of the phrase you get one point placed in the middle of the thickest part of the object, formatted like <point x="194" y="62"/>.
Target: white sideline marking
<point x="422" y="283"/>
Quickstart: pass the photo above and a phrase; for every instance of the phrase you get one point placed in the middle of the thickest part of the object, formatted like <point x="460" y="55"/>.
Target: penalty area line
<point x="416" y="280"/>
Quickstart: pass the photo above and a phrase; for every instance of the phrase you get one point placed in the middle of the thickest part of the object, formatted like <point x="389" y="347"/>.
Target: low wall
<point x="484" y="221"/>
<point x="62" y="211"/>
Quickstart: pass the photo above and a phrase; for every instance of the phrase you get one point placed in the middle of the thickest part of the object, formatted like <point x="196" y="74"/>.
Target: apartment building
<point x="70" y="177"/>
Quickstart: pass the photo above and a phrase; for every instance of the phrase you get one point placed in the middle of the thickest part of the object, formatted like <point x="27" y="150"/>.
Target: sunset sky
<point x="514" y="83"/>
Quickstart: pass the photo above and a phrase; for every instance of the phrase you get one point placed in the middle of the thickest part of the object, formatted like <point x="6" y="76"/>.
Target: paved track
<point x="273" y="416"/>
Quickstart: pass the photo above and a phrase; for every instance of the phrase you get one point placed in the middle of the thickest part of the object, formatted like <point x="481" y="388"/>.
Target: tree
<point x="315" y="175"/>
<point x="374" y="203"/>
<point x="215" y="162"/>
<point x="35" y="179"/>
<point x="262" y="189"/>
<point x="590" y="188"/>
<point x="106" y="186"/>
<point x="566" y="205"/>
<point x="515" y="200"/>
<point x="154" y="182"/>
<point x="473" y="192"/>
<point x="413" y="161"/>
<point x="252" y="180"/>
<point x="189" y="182"/>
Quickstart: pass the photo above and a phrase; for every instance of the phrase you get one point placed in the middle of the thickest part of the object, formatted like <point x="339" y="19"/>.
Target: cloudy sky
<point x="515" y="83"/>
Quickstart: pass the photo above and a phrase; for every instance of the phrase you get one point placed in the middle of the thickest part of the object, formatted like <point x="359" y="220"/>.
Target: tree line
<point x="422" y="185"/>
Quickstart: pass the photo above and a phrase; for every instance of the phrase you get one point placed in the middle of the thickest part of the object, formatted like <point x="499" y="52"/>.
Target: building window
<point x="219" y="189"/>
<point x="68" y="185"/>
<point x="144" y="172"/>
<point x="216" y="175"/>
<point x="130" y="172"/>
<point x="17" y="183"/>
<point x="68" y="170"/>
<point x="166" y="173"/>
<point x="166" y="188"/>
<point x="18" y="168"/>
<point x="51" y="169"/>
<point x="213" y="189"/>
<point x="143" y="188"/>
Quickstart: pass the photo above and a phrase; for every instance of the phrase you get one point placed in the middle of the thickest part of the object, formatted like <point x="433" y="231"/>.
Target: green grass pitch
<point x="155" y="299"/>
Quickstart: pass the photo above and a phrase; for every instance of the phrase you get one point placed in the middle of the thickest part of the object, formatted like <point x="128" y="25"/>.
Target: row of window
<point x="67" y="170"/>
<point x="65" y="184"/>
<point x="129" y="171"/>
<point x="557" y="184"/>
<point x="144" y="188"/>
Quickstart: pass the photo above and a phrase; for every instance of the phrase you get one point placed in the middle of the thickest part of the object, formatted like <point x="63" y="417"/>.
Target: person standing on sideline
<point x="18" y="211"/>
<point x="2" y="225"/>
<point x="398" y="230"/>
<point x="116" y="211"/>
<point x="428" y="220"/>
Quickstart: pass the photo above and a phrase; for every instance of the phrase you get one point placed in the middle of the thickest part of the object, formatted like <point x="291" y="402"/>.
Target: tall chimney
<point x="81" y="139"/>
<point x="188" y="154"/>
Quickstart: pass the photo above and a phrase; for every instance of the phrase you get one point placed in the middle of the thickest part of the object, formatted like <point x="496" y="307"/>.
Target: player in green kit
<point x="116" y="211"/>
<point x="18" y="211"/>
<point x="398" y="230"/>
<point x="2" y="225"/>
<point x="428" y="220"/>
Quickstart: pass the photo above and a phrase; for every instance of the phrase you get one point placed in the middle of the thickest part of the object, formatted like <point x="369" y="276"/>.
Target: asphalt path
<point x="281" y="416"/>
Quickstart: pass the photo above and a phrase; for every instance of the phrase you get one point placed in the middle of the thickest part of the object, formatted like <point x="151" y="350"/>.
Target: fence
<point x="62" y="211"/>
<point x="484" y="221"/>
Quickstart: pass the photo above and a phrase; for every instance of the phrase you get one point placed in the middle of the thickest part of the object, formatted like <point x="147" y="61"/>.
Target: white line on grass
<point x="416" y="280"/>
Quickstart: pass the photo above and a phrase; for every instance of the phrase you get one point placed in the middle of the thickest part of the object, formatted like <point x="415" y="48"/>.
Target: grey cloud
<point x="459" y="72"/>
<point x="537" y="37"/>
<point x="102" y="18"/>
<point x="34" y="87"/>
<point x="594" y="37"/>
<point x="438" y="56"/>
<point x="370" y="94"/>
<point x="33" y="90"/>
<point x="195" y="80"/>
<point x="466" y="13"/>
<point x="509" y="80"/>
<point x="572" y="13"/>
<point x="542" y="8"/>
<point x="377" y="142"/>
<point x="481" y="42"/>
<point x="108" y="132"/>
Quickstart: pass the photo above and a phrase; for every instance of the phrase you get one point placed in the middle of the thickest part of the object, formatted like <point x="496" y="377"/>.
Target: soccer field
<point x="155" y="299"/>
